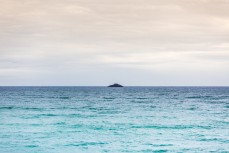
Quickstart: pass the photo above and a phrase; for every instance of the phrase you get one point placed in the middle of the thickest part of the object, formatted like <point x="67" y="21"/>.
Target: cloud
<point x="65" y="36"/>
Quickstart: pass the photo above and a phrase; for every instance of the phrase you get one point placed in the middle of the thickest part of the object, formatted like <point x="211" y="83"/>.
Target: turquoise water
<point x="100" y="119"/>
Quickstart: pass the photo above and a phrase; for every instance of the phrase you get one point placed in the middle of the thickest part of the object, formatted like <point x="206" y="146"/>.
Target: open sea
<point x="101" y="119"/>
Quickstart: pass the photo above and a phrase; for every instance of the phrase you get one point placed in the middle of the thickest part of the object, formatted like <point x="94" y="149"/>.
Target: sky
<point x="100" y="42"/>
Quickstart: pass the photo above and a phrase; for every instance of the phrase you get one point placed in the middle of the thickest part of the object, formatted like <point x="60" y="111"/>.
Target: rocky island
<point x="115" y="85"/>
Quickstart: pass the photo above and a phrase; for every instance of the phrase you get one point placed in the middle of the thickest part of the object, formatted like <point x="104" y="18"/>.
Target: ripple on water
<point x="86" y="144"/>
<point x="173" y="127"/>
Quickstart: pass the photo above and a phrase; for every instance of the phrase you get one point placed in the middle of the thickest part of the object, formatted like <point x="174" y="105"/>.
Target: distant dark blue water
<point x="101" y="119"/>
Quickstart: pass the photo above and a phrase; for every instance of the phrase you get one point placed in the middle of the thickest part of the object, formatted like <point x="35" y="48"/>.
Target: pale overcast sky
<point x="99" y="42"/>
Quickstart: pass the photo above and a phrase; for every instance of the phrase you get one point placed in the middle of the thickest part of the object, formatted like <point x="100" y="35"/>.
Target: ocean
<point x="101" y="119"/>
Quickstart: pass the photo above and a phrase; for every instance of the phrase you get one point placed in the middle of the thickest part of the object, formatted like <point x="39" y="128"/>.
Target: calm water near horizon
<point x="101" y="119"/>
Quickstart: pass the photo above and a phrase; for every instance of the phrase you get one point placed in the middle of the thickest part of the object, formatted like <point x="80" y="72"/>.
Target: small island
<point x="115" y="85"/>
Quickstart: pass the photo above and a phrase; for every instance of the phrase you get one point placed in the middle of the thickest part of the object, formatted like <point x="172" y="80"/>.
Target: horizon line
<point x="108" y="85"/>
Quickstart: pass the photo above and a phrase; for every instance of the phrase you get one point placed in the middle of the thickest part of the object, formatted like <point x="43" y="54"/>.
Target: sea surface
<point x="101" y="119"/>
